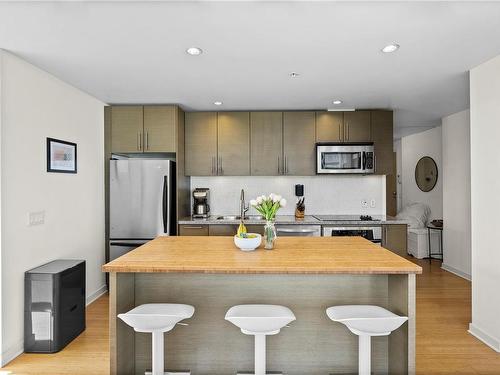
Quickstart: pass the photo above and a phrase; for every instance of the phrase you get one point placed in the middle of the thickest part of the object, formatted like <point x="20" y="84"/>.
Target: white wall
<point x="414" y="147"/>
<point x="36" y="105"/>
<point x="323" y="194"/>
<point x="485" y="201"/>
<point x="456" y="193"/>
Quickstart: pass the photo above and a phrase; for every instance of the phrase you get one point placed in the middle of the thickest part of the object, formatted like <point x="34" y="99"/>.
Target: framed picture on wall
<point x="61" y="156"/>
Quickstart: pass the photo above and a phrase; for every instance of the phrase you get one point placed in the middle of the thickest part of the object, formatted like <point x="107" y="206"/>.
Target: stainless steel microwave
<point x="344" y="158"/>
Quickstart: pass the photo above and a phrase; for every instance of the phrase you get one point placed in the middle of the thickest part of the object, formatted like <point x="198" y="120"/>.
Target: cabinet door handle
<point x="286" y="165"/>
<point x="278" y="164"/>
<point x="147" y="140"/>
<point x="340" y="135"/>
<point x="221" y="169"/>
<point x="140" y="141"/>
<point x="191" y="227"/>
<point x="347" y="130"/>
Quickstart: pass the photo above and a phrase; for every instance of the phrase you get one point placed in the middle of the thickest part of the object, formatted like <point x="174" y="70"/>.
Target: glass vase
<point x="269" y="234"/>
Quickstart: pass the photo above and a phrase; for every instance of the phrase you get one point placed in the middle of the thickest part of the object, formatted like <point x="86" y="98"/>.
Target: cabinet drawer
<point x="231" y="229"/>
<point x="193" y="230"/>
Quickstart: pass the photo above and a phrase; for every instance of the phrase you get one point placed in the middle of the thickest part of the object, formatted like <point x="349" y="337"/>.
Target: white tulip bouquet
<point x="268" y="206"/>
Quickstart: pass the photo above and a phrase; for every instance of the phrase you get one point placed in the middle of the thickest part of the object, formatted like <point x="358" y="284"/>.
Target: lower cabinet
<point x="193" y="230"/>
<point x="394" y="238"/>
<point x="231" y="229"/>
<point x="216" y="229"/>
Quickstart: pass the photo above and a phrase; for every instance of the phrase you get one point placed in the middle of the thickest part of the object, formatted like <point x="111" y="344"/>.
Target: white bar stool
<point x="366" y="321"/>
<point x="157" y="318"/>
<point x="260" y="321"/>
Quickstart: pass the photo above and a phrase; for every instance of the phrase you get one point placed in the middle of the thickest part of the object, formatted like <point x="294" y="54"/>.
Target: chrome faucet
<point x="243" y="207"/>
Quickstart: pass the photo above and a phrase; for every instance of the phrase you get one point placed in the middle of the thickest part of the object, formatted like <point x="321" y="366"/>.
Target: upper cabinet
<point x="160" y="128"/>
<point x="201" y="143"/>
<point x="126" y="129"/>
<point x="143" y="129"/>
<point x="233" y="143"/>
<point x="277" y="143"/>
<point x="299" y="138"/>
<point x="266" y="142"/>
<point x="217" y="143"/>
<point x="352" y="126"/>
<point x="382" y="134"/>
<point x="357" y="126"/>
<point x="329" y="126"/>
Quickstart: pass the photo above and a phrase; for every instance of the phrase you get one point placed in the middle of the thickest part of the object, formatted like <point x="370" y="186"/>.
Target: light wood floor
<point x="443" y="344"/>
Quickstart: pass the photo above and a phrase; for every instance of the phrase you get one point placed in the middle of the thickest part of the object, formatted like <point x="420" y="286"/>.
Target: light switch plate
<point x="36" y="218"/>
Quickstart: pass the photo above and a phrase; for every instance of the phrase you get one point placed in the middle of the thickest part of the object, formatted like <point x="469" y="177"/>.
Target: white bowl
<point x="248" y="244"/>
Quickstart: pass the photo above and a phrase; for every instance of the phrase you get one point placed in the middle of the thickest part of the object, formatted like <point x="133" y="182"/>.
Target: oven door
<point x="344" y="159"/>
<point x="373" y="234"/>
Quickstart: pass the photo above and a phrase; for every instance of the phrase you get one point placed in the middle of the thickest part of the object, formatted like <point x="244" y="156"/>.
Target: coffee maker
<point x="201" y="208"/>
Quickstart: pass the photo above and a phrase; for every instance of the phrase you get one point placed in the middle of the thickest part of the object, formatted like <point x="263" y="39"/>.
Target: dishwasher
<point x="298" y="230"/>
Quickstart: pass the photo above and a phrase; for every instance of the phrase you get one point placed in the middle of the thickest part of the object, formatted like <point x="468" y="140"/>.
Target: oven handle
<point x="297" y="230"/>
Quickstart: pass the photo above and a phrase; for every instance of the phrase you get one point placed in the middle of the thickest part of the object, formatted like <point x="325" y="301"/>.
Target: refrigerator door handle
<point x="165" y="204"/>
<point x="124" y="244"/>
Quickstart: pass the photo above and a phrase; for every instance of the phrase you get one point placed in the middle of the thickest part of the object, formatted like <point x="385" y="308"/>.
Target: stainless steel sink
<point x="237" y="217"/>
<point x="228" y="217"/>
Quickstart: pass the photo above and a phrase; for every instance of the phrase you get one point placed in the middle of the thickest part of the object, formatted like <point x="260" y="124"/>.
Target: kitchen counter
<point x="290" y="219"/>
<point x="292" y="255"/>
<point x="306" y="274"/>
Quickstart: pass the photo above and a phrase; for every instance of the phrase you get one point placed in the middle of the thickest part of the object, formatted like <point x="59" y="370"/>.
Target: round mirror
<point x="426" y="173"/>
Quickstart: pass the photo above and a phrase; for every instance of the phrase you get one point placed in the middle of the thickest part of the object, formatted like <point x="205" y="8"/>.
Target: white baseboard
<point x="491" y="341"/>
<point x="456" y="271"/>
<point x="99" y="292"/>
<point x="13" y="352"/>
<point x="18" y="349"/>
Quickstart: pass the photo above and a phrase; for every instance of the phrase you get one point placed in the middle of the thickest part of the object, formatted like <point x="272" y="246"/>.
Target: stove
<point x="345" y="218"/>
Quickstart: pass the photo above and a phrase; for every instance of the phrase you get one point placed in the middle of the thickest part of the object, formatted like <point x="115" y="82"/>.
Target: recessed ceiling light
<point x="337" y="101"/>
<point x="393" y="47"/>
<point x="218" y="103"/>
<point x="294" y="74"/>
<point x="194" y="51"/>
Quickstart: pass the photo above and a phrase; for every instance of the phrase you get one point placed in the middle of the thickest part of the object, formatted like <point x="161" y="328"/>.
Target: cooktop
<point x="345" y="218"/>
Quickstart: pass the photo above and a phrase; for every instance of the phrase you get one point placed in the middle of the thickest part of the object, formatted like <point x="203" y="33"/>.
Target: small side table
<point x="430" y="229"/>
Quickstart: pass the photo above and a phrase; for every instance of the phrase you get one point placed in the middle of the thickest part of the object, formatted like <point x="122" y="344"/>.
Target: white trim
<point x="12" y="353"/>
<point x="93" y="296"/>
<point x="1" y="254"/>
<point x="456" y="271"/>
<point x="491" y="341"/>
<point x="18" y="349"/>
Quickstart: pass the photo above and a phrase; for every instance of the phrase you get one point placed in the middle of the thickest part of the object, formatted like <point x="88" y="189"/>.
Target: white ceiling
<point x="134" y="52"/>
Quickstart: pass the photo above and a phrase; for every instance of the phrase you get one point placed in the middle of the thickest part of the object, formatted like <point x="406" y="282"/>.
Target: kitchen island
<point x="303" y="273"/>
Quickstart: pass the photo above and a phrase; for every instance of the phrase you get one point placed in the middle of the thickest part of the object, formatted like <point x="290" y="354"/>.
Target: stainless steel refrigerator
<point x="142" y="202"/>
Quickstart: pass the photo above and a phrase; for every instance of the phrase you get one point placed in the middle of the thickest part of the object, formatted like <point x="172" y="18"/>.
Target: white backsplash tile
<point x="323" y="194"/>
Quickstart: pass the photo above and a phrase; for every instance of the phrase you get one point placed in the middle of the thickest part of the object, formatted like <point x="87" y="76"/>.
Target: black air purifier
<point x="54" y="305"/>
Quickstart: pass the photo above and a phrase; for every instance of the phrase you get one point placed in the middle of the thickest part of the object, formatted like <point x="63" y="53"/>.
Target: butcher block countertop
<point x="291" y="255"/>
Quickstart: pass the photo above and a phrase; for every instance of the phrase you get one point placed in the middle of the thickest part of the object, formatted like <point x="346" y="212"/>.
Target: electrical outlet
<point x="373" y="203"/>
<point x="364" y="203"/>
<point x="36" y="218"/>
